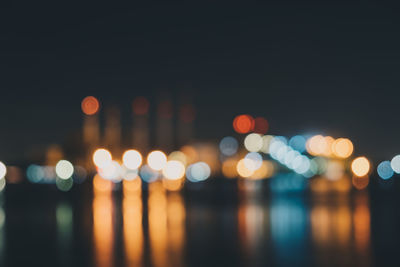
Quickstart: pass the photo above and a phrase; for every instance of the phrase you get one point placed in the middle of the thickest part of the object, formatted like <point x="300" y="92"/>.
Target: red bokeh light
<point x="140" y="105"/>
<point x="243" y="124"/>
<point x="261" y="125"/>
<point x="90" y="105"/>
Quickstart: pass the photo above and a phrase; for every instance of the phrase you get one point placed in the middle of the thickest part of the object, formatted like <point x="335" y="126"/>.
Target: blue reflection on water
<point x="288" y="183"/>
<point x="289" y="232"/>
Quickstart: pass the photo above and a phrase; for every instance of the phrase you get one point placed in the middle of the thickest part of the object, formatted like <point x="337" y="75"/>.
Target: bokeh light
<point x="395" y="164"/>
<point x="148" y="174"/>
<point x="253" y="161"/>
<point x="102" y="157"/>
<point x="3" y="170"/>
<point x="129" y="174"/>
<point x="243" y="124"/>
<point x="316" y="145"/>
<point x="266" y="139"/>
<point x="112" y="171"/>
<point x="179" y="156"/>
<point x="229" y="168"/>
<point x="132" y="159"/>
<point x="261" y="125"/>
<point x="228" y="146"/>
<point x="156" y="160"/>
<point x="64" y="169"/>
<point x="384" y="170"/>
<point x="174" y="170"/>
<point x="198" y="172"/>
<point x="140" y="106"/>
<point x="301" y="164"/>
<point x="253" y="142"/>
<point x="327" y="150"/>
<point x="342" y="148"/>
<point x="90" y="105"/>
<point x="242" y="169"/>
<point x="360" y="166"/>
<point x="265" y="171"/>
<point x="2" y="184"/>
<point x="35" y="173"/>
<point x="298" y="143"/>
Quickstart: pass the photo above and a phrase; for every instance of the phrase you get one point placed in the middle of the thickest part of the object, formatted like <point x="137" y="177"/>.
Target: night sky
<point x="309" y="67"/>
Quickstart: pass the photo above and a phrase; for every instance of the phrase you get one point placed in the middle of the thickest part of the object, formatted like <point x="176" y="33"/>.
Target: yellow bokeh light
<point x="174" y="170"/>
<point x="243" y="170"/>
<point x="229" y="168"/>
<point x="102" y="157"/>
<point x="327" y="146"/>
<point x="265" y="171"/>
<point x="316" y="145"/>
<point x="253" y="142"/>
<point x="342" y="148"/>
<point x="132" y="159"/>
<point x="191" y="154"/>
<point x="360" y="166"/>
<point x="179" y="156"/>
<point x="157" y="160"/>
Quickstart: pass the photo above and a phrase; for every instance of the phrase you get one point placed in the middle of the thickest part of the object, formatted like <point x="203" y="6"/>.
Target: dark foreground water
<point x="212" y="225"/>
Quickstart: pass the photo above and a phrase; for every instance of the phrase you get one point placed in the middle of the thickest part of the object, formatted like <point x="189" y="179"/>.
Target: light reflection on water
<point x="103" y="231"/>
<point x="161" y="228"/>
<point x="132" y="209"/>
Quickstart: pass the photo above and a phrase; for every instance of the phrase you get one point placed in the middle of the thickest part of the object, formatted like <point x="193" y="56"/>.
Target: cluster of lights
<point x="327" y="155"/>
<point x="386" y="169"/>
<point x="246" y="123"/>
<point x="156" y="166"/>
<point x="327" y="146"/>
<point x="64" y="174"/>
<point x="305" y="156"/>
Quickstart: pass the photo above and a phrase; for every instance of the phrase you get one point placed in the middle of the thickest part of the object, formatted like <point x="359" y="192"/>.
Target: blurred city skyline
<point x="311" y="68"/>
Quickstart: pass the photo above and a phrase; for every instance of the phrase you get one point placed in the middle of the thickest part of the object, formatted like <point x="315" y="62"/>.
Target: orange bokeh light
<point x="261" y="125"/>
<point x="243" y="124"/>
<point x="90" y="105"/>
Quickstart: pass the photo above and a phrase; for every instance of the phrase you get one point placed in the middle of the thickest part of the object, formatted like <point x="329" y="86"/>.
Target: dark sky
<point x="330" y="67"/>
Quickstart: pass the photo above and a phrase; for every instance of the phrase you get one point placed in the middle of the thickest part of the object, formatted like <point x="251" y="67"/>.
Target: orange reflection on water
<point x="331" y="225"/>
<point x="362" y="226"/>
<point x="173" y="185"/>
<point x="342" y="227"/>
<point x="132" y="208"/>
<point x="251" y="224"/>
<point x="166" y="226"/>
<point x="103" y="234"/>
<point x="360" y="182"/>
<point x="176" y="228"/>
<point x="322" y="185"/>
<point x="157" y="209"/>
